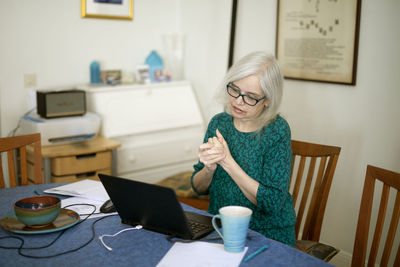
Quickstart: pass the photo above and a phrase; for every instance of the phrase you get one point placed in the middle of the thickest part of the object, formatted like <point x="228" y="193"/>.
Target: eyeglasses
<point x="235" y="92"/>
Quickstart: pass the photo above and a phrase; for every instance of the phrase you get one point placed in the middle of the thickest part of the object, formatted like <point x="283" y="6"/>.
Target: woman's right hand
<point x="211" y="153"/>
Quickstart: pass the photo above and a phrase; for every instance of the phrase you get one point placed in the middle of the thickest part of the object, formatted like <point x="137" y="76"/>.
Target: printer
<point x="63" y="130"/>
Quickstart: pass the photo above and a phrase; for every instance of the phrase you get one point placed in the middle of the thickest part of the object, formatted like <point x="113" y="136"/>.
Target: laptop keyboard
<point x="197" y="227"/>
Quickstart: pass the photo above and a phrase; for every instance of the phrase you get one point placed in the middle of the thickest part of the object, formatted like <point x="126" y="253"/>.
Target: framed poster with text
<point x="318" y="39"/>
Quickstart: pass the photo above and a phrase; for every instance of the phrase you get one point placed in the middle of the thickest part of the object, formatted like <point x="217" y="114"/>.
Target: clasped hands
<point x="214" y="152"/>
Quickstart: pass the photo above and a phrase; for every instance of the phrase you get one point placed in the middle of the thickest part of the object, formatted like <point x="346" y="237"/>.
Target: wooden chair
<point x="311" y="185"/>
<point x="313" y="193"/>
<point x="389" y="180"/>
<point x="12" y="144"/>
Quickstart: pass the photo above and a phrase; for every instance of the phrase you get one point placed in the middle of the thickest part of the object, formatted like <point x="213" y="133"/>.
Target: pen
<point x="258" y="251"/>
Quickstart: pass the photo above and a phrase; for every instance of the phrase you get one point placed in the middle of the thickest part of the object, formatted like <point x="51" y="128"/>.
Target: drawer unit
<point x="158" y="149"/>
<point x="79" y="176"/>
<point x="81" y="163"/>
<point x="77" y="161"/>
<point x="68" y="176"/>
<point x="154" y="175"/>
<point x="132" y="109"/>
<point x="159" y="127"/>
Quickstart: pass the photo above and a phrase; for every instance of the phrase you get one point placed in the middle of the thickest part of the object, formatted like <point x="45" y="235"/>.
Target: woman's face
<point x="249" y="85"/>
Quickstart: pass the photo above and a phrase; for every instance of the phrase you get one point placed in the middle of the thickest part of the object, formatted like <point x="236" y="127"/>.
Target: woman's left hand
<point x="227" y="152"/>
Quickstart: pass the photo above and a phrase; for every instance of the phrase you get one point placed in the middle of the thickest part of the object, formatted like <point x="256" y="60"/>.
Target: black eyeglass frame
<point x="229" y="85"/>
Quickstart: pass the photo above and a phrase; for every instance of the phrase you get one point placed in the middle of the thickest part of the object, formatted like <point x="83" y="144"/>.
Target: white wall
<point x="206" y="24"/>
<point x="364" y="119"/>
<point x="50" y="39"/>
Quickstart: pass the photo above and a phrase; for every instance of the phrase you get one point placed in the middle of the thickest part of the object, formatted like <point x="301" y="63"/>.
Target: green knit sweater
<point x="265" y="157"/>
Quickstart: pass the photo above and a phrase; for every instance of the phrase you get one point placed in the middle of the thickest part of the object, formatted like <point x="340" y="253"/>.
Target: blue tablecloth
<point x="131" y="248"/>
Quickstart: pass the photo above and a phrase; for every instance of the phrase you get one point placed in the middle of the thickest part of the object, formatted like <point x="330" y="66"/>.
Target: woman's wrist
<point x="228" y="164"/>
<point x="202" y="180"/>
<point x="209" y="171"/>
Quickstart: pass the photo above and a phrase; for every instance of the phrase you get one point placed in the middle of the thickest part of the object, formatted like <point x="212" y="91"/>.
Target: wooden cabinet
<point x="76" y="161"/>
<point x="76" y="167"/>
<point x="159" y="126"/>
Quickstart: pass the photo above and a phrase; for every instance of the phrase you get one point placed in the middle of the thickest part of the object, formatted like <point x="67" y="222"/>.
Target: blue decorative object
<point x="95" y="72"/>
<point x="155" y="64"/>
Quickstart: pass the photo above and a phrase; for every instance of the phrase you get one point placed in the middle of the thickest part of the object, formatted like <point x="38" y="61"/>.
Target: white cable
<point x="127" y="229"/>
<point x="13" y="131"/>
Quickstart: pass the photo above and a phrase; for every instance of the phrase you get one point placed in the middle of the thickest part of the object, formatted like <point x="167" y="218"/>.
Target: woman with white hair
<point x="246" y="157"/>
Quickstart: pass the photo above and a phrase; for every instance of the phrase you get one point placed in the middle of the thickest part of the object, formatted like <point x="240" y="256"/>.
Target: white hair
<point x="267" y="69"/>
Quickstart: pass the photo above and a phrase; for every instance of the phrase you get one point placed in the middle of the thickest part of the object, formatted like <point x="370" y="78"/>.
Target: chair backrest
<point x="389" y="180"/>
<point x="11" y="145"/>
<point x="314" y="190"/>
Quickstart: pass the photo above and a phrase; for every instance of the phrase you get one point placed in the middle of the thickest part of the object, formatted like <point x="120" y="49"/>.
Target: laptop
<point x="154" y="207"/>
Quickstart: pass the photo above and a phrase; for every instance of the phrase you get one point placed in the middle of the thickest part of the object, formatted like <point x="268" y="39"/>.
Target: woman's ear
<point x="266" y="103"/>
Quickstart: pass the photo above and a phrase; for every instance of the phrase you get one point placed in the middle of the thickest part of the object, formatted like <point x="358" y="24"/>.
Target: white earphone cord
<point x="124" y="230"/>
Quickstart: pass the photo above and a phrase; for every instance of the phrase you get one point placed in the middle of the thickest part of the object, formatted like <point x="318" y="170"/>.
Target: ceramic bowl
<point x="37" y="211"/>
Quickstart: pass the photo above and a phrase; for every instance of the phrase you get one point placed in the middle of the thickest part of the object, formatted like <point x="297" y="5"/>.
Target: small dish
<point x="65" y="219"/>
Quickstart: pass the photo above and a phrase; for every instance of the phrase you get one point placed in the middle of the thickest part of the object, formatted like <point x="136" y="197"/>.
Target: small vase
<point x="95" y="72"/>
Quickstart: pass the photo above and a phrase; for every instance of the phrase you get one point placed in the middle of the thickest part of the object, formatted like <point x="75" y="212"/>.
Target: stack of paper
<point x="200" y="254"/>
<point x="89" y="189"/>
<point x="82" y="192"/>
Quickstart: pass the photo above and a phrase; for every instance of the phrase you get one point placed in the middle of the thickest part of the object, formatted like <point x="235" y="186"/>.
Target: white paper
<point x="89" y="189"/>
<point x="84" y="210"/>
<point x="200" y="253"/>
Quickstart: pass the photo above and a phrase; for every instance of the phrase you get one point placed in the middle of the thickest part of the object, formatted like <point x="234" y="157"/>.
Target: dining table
<point x="79" y="245"/>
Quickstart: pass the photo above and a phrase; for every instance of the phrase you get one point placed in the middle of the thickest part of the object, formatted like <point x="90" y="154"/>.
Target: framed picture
<point x="111" y="77"/>
<point x="143" y="74"/>
<point x="318" y="40"/>
<point x="107" y="9"/>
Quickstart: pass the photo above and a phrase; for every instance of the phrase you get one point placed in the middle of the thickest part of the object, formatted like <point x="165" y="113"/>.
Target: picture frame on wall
<point x="318" y="40"/>
<point x="107" y="9"/>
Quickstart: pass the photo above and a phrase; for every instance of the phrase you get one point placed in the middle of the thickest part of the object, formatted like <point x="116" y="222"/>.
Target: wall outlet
<point x="29" y="80"/>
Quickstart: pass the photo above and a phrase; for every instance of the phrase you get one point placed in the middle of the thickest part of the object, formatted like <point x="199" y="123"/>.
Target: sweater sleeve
<point x="273" y="190"/>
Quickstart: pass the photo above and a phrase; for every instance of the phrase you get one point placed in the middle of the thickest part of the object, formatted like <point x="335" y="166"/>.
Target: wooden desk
<point x="81" y="160"/>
